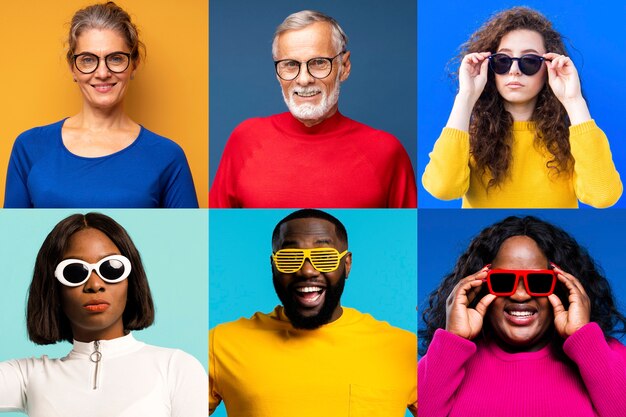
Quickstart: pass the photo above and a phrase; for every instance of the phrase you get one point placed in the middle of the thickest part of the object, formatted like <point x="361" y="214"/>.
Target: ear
<point x="345" y="66"/>
<point x="347" y="262"/>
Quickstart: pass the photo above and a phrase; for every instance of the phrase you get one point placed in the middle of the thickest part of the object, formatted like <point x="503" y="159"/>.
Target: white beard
<point x="307" y="111"/>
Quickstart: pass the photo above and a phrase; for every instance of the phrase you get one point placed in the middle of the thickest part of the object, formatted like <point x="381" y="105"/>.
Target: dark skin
<point x="91" y="245"/>
<point x="306" y="234"/>
<point x="517" y="252"/>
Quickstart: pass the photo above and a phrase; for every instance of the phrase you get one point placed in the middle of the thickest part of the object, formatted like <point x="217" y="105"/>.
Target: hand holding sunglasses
<point x="473" y="75"/>
<point x="462" y="320"/>
<point x="565" y="84"/>
<point x="578" y="314"/>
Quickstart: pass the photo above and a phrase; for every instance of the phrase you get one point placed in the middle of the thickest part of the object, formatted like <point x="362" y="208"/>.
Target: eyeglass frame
<point x="59" y="271"/>
<point x="520" y="273"/>
<point x="518" y="59"/>
<point x="331" y="60"/>
<point x="126" y="54"/>
<point x="307" y="255"/>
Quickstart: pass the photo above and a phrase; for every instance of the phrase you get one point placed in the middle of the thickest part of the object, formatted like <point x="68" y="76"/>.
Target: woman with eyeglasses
<point x="99" y="157"/>
<point x="521" y="328"/>
<point x="89" y="288"/>
<point x="520" y="133"/>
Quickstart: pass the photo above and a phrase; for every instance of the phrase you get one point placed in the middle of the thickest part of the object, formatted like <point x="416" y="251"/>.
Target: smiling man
<point x="311" y="356"/>
<point x="312" y="155"/>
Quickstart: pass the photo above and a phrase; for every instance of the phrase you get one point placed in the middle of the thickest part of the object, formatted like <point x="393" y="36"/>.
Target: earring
<point x="132" y="76"/>
<point x="75" y="80"/>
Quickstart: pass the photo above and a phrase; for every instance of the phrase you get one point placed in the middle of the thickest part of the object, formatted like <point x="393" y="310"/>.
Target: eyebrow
<point x="321" y="241"/>
<point x="70" y="256"/>
<point x="525" y="51"/>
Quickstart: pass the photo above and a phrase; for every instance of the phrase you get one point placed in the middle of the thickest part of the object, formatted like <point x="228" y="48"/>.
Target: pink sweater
<point x="460" y="378"/>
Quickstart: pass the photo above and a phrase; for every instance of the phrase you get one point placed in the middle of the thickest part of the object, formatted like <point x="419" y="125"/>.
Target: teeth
<point x="308" y="289"/>
<point x="521" y="313"/>
<point x="306" y="93"/>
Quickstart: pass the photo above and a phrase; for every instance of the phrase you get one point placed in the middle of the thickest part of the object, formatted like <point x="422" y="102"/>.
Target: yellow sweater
<point x="355" y="366"/>
<point x="451" y="172"/>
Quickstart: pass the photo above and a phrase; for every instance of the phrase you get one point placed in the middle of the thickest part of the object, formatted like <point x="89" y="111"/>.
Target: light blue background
<point x="595" y="36"/>
<point x="381" y="89"/>
<point x="173" y="247"/>
<point x="382" y="281"/>
<point x="445" y="234"/>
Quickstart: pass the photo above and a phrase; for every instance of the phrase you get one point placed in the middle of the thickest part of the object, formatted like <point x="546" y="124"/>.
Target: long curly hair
<point x="556" y="244"/>
<point x="490" y="124"/>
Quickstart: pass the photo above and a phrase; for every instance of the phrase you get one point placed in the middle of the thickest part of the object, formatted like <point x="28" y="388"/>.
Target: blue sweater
<point x="150" y="172"/>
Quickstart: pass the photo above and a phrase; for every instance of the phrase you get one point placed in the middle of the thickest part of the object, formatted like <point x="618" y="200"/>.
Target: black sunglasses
<point x="528" y="64"/>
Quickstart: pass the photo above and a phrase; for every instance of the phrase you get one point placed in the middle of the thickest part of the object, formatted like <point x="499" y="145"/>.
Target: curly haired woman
<point x="520" y="133"/>
<point x="509" y="333"/>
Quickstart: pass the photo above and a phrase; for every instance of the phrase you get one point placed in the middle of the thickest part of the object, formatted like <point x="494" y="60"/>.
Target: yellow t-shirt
<point x="355" y="366"/>
<point x="451" y="172"/>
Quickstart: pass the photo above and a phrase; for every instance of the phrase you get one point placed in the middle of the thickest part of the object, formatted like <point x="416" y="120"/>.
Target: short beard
<point x="310" y="111"/>
<point x="331" y="301"/>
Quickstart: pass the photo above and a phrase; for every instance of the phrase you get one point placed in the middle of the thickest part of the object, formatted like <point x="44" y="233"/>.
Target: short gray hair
<point x="304" y="18"/>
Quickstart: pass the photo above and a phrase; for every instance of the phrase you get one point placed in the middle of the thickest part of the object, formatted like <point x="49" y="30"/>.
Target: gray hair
<point x="105" y="16"/>
<point x="304" y="18"/>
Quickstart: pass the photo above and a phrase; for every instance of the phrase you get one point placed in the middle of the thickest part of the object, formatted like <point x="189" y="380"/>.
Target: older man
<point x="312" y="156"/>
<point x="311" y="356"/>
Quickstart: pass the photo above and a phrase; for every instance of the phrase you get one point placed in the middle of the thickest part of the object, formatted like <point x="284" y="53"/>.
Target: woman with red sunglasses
<point x="511" y="334"/>
<point x="520" y="133"/>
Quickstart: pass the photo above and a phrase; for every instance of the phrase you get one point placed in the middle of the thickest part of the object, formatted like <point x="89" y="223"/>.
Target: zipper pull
<point x="95" y="357"/>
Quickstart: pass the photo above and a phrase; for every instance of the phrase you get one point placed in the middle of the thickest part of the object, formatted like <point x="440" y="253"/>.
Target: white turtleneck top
<point x="131" y="379"/>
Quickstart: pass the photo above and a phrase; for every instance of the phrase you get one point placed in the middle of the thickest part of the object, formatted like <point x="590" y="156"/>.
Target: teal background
<point x="173" y="245"/>
<point x="382" y="281"/>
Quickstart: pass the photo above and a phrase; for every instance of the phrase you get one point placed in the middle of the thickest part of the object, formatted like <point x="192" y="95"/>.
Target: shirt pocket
<point x="377" y="402"/>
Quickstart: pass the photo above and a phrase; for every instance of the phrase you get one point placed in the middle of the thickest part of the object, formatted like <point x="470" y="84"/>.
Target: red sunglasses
<point x="537" y="282"/>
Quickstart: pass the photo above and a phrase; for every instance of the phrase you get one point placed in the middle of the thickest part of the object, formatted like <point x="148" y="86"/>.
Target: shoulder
<point x="253" y="127"/>
<point x="174" y="359"/>
<point x="381" y="328"/>
<point x="40" y="135"/>
<point x="375" y="137"/>
<point x="157" y="141"/>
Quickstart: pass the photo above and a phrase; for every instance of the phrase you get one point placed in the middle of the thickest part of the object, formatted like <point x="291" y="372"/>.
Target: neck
<point x="313" y="122"/>
<point x="96" y="119"/>
<point x="521" y="112"/>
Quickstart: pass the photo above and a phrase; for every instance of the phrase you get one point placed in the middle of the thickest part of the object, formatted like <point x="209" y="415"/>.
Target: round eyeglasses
<point x="318" y="67"/>
<point x="528" y="64"/>
<point x="116" y="62"/>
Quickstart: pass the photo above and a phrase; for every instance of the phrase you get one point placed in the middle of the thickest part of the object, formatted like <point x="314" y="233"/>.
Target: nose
<point x="514" y="70"/>
<point x="307" y="270"/>
<point x="94" y="283"/>
<point x="304" y="78"/>
<point x="520" y="293"/>
<point x="102" y="71"/>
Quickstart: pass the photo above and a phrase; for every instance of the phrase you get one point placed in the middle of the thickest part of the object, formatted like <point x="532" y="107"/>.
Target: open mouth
<point x="306" y="93"/>
<point x="520" y="315"/>
<point x="309" y="295"/>
<point x="103" y="88"/>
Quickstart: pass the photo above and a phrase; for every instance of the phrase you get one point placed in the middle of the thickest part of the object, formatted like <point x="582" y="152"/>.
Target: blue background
<point x="595" y="36"/>
<point x="173" y="247"/>
<point x="381" y="89"/>
<point x="445" y="234"/>
<point x="382" y="280"/>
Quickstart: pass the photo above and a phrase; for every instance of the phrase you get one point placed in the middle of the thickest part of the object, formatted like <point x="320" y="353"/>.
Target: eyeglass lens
<point x="528" y="64"/>
<point x="88" y="63"/>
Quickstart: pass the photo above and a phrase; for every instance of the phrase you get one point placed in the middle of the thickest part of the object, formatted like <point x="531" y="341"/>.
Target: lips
<point x="514" y="84"/>
<point x="306" y="92"/>
<point x="103" y="88"/>
<point x="520" y="314"/>
<point x="309" y="294"/>
<point x="96" y="305"/>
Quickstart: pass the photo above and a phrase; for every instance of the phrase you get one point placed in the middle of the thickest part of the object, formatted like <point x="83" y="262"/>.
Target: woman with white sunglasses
<point x="89" y="288"/>
<point x="520" y="133"/>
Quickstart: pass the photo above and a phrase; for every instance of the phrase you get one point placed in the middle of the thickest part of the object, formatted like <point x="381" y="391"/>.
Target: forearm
<point x="461" y="112"/>
<point x="441" y="371"/>
<point x="447" y="175"/>
<point x="577" y="110"/>
<point x="596" y="181"/>
<point x="602" y="368"/>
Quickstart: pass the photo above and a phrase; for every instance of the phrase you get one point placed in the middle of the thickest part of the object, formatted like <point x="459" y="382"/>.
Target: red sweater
<point x="460" y="378"/>
<point x="277" y="162"/>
